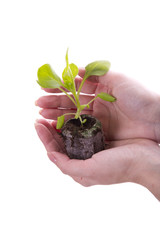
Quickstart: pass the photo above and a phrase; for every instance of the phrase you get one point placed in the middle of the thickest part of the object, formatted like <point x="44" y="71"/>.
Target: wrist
<point x="152" y="183"/>
<point x="149" y="173"/>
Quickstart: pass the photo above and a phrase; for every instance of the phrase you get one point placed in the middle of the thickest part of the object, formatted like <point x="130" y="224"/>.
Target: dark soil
<point x="82" y="141"/>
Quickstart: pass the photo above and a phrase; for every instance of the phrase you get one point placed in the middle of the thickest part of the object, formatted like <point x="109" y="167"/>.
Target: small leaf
<point x="74" y="70"/>
<point x="84" y="106"/>
<point x="85" y="120"/>
<point x="67" y="62"/>
<point x="69" y="74"/>
<point x="47" y="78"/>
<point x="67" y="78"/>
<point x="97" y="68"/>
<point x="60" y="122"/>
<point x="106" y="97"/>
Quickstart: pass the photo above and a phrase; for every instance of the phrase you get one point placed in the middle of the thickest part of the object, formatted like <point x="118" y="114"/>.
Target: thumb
<point x="71" y="167"/>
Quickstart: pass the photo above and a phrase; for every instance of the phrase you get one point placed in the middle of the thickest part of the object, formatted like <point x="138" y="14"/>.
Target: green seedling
<point x="47" y="78"/>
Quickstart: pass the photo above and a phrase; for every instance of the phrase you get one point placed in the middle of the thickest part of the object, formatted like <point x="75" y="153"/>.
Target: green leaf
<point x="74" y="70"/>
<point x="67" y="78"/>
<point x="106" y="97"/>
<point x="60" y="122"/>
<point x="85" y="120"/>
<point x="67" y="62"/>
<point x="97" y="68"/>
<point x="47" y="78"/>
<point x="69" y="74"/>
<point x="84" y="106"/>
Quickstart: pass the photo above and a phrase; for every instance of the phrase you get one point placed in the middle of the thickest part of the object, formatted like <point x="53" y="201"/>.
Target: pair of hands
<point x="130" y="125"/>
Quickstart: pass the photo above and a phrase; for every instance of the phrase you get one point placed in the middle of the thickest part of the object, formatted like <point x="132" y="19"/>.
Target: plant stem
<point x="78" y="107"/>
<point x="81" y="85"/>
<point x="68" y="96"/>
<point x="75" y="94"/>
<point x="78" y="102"/>
<point x="80" y="120"/>
<point x="92" y="100"/>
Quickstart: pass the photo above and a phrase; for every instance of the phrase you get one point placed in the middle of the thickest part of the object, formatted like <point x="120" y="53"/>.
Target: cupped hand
<point x="133" y="115"/>
<point x="129" y="125"/>
<point x="133" y="160"/>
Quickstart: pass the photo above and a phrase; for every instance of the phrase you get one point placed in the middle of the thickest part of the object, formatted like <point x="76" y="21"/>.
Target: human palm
<point x="129" y="127"/>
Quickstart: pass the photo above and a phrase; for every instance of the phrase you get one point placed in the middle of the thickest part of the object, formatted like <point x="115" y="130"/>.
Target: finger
<point x="126" y="142"/>
<point x="47" y="138"/>
<point x="47" y="124"/>
<point x="54" y="113"/>
<point x="72" y="167"/>
<point x="77" y="81"/>
<point x="110" y="77"/>
<point x="61" y="101"/>
<point x="81" y="72"/>
<point x="89" y="87"/>
<point x="54" y="90"/>
<point x="118" y="143"/>
<point x="51" y="126"/>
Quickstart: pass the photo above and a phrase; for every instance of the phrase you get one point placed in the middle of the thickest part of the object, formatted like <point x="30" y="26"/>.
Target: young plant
<point x="47" y="78"/>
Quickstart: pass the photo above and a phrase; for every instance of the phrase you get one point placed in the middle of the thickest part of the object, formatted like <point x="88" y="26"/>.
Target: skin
<point x="131" y="126"/>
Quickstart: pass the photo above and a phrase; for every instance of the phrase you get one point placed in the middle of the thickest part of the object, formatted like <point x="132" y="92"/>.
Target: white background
<point x="36" y="200"/>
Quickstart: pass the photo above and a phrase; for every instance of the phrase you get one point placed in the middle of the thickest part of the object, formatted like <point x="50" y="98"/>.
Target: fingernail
<point x="40" y="111"/>
<point x="36" y="125"/>
<point x="51" y="156"/>
<point x="36" y="103"/>
<point x="36" y="121"/>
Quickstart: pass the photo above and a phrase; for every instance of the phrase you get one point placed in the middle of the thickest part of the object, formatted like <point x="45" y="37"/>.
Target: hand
<point x="135" y="114"/>
<point x="134" y="160"/>
<point x="125" y="122"/>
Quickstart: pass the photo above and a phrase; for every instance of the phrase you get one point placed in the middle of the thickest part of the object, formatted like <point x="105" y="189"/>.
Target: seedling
<point x="47" y="78"/>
